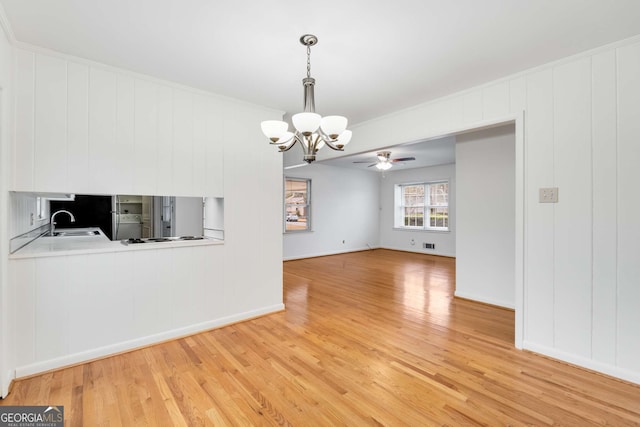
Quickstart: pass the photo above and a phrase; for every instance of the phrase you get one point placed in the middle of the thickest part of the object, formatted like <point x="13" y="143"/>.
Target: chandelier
<point x="312" y="130"/>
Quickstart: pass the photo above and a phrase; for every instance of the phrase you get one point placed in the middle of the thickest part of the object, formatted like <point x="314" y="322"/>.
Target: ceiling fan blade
<point x="403" y="159"/>
<point x="372" y="164"/>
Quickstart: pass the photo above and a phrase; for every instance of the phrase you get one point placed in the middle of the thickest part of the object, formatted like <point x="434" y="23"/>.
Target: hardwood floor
<point x="368" y="338"/>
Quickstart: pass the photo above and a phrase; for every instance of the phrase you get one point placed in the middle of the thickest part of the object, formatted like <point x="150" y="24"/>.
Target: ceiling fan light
<point x="384" y="166"/>
<point x="274" y="129"/>
<point x="306" y="123"/>
<point x="333" y="126"/>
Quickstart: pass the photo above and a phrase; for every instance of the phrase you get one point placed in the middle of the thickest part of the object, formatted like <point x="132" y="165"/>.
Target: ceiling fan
<point x="385" y="161"/>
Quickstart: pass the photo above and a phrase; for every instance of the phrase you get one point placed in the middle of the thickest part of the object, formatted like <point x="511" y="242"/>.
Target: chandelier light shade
<point x="274" y="129"/>
<point x="312" y="130"/>
<point x="306" y="123"/>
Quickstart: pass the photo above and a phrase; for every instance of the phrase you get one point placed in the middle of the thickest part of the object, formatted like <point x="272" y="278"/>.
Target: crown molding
<point x="6" y="26"/>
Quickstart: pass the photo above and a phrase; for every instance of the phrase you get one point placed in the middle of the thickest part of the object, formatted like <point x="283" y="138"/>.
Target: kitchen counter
<point x="45" y="245"/>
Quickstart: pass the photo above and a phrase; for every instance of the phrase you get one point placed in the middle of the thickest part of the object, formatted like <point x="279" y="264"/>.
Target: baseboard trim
<point x="489" y="301"/>
<point x="423" y="252"/>
<point x="583" y="362"/>
<point x="321" y="254"/>
<point x="135" y="344"/>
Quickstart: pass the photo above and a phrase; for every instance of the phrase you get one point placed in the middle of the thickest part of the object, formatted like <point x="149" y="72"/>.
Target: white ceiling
<point x="372" y="58"/>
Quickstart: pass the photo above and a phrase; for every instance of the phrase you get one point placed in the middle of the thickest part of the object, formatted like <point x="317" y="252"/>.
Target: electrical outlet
<point x="549" y="195"/>
<point x="31" y="219"/>
<point x="429" y="245"/>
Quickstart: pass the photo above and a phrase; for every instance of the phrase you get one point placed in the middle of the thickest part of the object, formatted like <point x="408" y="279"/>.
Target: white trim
<point x="584" y="362"/>
<point x="6" y="26"/>
<point x="423" y="251"/>
<point x="484" y="300"/>
<point x="85" y="356"/>
<point x="319" y="254"/>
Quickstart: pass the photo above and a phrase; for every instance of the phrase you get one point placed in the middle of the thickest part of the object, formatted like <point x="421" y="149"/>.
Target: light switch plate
<point x="549" y="195"/>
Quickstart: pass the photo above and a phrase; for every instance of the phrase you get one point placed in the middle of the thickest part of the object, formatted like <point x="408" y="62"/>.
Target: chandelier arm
<point x="295" y="139"/>
<point x="328" y="141"/>
<point x="332" y="146"/>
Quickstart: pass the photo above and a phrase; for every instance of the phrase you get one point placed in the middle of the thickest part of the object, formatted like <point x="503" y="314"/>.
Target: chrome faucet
<point x="52" y="224"/>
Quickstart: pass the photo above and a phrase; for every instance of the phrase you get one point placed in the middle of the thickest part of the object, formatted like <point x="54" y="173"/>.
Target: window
<point x="423" y="206"/>
<point x="41" y="206"/>
<point x="297" y="204"/>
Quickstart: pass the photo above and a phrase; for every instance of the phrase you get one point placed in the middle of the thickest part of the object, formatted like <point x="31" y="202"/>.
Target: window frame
<point x="306" y="206"/>
<point x="400" y="206"/>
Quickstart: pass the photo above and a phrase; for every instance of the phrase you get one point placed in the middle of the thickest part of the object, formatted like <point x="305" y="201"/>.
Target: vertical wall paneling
<point x="214" y="150"/>
<point x="102" y="125"/>
<point x="165" y="288"/>
<point x="81" y="301"/>
<point x="539" y="304"/>
<point x="23" y="144"/>
<point x="24" y="273"/>
<point x="51" y="276"/>
<point x="123" y="266"/>
<point x="573" y="216"/>
<point x="145" y="290"/>
<point x="517" y="95"/>
<point x="164" y="145"/>
<point x="603" y="125"/>
<point x="185" y="298"/>
<point x="495" y="100"/>
<point x="123" y="144"/>
<point x="78" y="127"/>
<point x="182" y="142"/>
<point x="472" y="107"/>
<point x="199" y="167"/>
<point x="628" y="348"/>
<point x="50" y="171"/>
<point x="145" y="154"/>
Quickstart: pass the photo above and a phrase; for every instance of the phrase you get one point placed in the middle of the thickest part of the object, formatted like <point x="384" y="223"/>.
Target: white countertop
<point x="76" y="245"/>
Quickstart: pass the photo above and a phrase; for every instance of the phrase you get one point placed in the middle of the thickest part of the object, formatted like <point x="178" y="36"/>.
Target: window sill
<point x="293" y="232"/>
<point x="421" y="230"/>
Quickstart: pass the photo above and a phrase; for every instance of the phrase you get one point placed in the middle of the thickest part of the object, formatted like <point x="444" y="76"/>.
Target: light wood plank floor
<point x="369" y="338"/>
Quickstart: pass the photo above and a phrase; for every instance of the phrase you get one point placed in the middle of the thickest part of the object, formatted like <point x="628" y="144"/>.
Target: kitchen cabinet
<point x="86" y="128"/>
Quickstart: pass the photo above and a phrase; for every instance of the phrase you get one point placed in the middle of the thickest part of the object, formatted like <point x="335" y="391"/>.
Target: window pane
<point x="297" y="208"/>
<point x="439" y="217"/>
<point x="439" y="194"/>
<point x="413" y="217"/>
<point x="295" y="192"/>
<point x="413" y="195"/>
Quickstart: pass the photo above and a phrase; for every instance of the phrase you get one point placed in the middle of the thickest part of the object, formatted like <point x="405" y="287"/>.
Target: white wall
<point x="7" y="334"/>
<point x="391" y="238"/>
<point x="581" y="133"/>
<point x="344" y="207"/>
<point x="485" y="218"/>
<point x="103" y="130"/>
